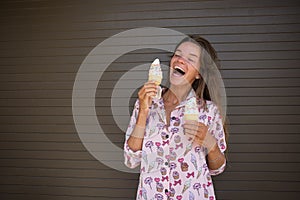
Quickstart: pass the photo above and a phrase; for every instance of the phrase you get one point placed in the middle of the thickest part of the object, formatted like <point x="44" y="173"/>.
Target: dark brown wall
<point x="43" y="44"/>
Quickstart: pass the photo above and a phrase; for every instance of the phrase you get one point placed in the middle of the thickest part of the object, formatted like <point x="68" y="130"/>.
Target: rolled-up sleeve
<point x="217" y="129"/>
<point x="132" y="158"/>
<point x="218" y="171"/>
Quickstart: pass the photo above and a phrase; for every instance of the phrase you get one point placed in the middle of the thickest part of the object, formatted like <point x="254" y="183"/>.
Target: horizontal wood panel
<point x="171" y="22"/>
<point x="95" y="164"/>
<point x="101" y="34"/>
<point x="221" y="195"/>
<point x="72" y="173"/>
<point x="60" y="119"/>
<point x="61" y="164"/>
<point x="77" y="174"/>
<point x="70" y="57"/>
<point x="83" y="191"/>
<point x="69" y="183"/>
<point x="70" y="47"/>
<point x="78" y="25"/>
<point x="257" y="185"/>
<point x="141" y="75"/>
<point x="258" y="129"/>
<point x="67" y="68"/>
<point x="262" y="101"/>
<point x="199" y="13"/>
<point x="118" y="137"/>
<point x="11" y="148"/>
<point x="106" y="58"/>
<point x="282" y="48"/>
<point x="125" y="67"/>
<point x="104" y="97"/>
<point x="68" y="42"/>
<point x="12" y="109"/>
<point x="234" y="129"/>
<point x="139" y="5"/>
<point x="83" y="156"/>
<point x="257" y="194"/>
<point x="123" y="92"/>
<point x="36" y="195"/>
<point x="195" y="11"/>
<point x="231" y="101"/>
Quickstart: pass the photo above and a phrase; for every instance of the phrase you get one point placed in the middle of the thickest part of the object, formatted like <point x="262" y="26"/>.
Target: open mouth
<point x="179" y="71"/>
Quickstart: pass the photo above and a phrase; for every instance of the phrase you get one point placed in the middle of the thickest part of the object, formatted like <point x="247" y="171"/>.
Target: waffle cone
<point x="191" y="117"/>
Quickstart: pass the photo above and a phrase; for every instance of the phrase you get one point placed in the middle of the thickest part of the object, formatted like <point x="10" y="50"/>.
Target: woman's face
<point x="185" y="64"/>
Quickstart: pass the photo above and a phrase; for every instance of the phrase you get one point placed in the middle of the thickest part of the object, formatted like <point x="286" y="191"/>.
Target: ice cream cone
<point x="190" y="117"/>
<point x="191" y="110"/>
<point x="155" y="74"/>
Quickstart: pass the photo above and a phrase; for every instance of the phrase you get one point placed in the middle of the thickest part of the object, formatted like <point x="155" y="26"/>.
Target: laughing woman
<point x="178" y="156"/>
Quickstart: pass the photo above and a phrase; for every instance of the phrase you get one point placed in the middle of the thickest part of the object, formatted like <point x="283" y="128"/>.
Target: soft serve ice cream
<point x="191" y="109"/>
<point x="155" y="74"/>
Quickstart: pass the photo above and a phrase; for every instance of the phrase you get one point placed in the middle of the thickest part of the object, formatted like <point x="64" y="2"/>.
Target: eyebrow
<point x="192" y="54"/>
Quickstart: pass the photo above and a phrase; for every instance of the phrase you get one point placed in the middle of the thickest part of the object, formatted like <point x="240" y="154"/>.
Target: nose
<point x="181" y="60"/>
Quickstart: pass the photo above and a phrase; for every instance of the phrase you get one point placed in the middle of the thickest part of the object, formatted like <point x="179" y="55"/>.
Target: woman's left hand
<point x="199" y="133"/>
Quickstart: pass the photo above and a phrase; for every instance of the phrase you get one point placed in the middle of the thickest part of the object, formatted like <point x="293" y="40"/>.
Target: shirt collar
<point x="190" y="95"/>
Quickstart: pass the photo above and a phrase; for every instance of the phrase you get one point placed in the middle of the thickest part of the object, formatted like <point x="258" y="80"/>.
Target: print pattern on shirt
<point x="172" y="166"/>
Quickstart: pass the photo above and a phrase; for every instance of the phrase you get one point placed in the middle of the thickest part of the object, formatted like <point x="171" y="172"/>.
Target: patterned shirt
<point x="172" y="165"/>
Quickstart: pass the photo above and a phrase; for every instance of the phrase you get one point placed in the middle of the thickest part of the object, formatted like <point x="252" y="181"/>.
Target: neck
<point x="177" y="94"/>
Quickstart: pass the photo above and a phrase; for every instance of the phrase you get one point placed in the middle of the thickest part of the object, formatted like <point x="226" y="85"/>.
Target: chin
<point x="179" y="82"/>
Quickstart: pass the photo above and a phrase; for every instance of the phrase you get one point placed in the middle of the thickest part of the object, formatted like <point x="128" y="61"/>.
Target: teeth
<point x="179" y="69"/>
<point x="176" y="67"/>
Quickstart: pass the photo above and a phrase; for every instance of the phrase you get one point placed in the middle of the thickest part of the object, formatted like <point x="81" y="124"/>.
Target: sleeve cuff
<point x="132" y="158"/>
<point x="133" y="154"/>
<point x="214" y="172"/>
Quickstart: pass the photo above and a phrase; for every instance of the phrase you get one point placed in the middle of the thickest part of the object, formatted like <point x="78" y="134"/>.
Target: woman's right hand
<point x="146" y="93"/>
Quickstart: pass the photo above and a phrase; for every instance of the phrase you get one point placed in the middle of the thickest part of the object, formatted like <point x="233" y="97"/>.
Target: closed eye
<point x="177" y="55"/>
<point x="191" y="60"/>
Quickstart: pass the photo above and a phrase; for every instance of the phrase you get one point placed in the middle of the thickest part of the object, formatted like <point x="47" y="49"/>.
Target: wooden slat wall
<point x="44" y="42"/>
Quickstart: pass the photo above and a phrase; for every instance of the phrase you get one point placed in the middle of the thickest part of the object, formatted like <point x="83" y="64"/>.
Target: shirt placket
<point x="165" y="179"/>
<point x="171" y="146"/>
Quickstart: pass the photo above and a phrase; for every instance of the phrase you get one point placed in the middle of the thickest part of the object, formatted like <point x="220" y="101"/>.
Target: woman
<point x="178" y="156"/>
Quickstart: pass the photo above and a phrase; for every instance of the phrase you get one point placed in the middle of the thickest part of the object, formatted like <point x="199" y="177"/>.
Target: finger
<point x="190" y="132"/>
<point x="195" y="138"/>
<point x="145" y="96"/>
<point x="197" y="125"/>
<point x="198" y="141"/>
<point x="148" y="90"/>
<point x="145" y="90"/>
<point x="149" y="86"/>
<point x="190" y="137"/>
<point x="194" y="122"/>
<point x="200" y="132"/>
<point x="191" y="122"/>
<point x="150" y="95"/>
<point x="191" y="126"/>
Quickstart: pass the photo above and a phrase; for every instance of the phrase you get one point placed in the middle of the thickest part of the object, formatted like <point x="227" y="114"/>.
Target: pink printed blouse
<point x="173" y="167"/>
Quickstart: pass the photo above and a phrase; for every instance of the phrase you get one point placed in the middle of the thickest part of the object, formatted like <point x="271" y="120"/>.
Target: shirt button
<point x="167" y="136"/>
<point x="166" y="190"/>
<point x="166" y="163"/>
